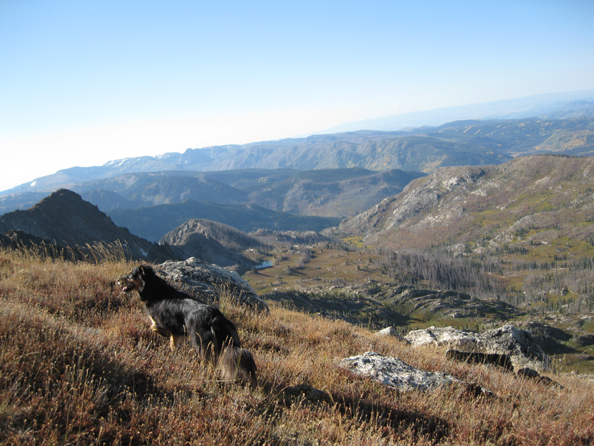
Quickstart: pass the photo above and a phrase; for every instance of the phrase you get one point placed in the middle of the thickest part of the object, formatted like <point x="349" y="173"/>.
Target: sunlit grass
<point x="79" y="365"/>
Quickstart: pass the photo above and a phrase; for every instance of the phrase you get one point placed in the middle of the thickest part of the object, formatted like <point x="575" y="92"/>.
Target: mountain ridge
<point x="376" y="150"/>
<point x="212" y="242"/>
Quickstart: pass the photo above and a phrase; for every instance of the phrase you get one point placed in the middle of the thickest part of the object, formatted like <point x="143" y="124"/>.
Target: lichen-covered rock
<point x="393" y="372"/>
<point x="446" y="336"/>
<point x="507" y="340"/>
<point x="205" y="280"/>
<point x="515" y="342"/>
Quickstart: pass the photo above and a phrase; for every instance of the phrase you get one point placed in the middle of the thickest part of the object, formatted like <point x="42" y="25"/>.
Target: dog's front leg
<point x="159" y="330"/>
<point x="174" y="341"/>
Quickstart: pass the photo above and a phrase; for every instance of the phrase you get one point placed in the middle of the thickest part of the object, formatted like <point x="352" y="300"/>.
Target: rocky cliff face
<point x="457" y="205"/>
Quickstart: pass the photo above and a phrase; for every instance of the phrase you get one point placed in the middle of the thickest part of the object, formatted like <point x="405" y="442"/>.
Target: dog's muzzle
<point x="126" y="285"/>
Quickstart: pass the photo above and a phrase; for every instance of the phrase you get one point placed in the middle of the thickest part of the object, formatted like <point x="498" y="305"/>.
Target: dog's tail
<point x="238" y="364"/>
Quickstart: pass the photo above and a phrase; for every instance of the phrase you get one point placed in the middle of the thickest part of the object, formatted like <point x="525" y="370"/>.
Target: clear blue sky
<point x="84" y="82"/>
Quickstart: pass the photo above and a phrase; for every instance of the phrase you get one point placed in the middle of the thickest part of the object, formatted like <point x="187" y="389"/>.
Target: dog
<point x="175" y="314"/>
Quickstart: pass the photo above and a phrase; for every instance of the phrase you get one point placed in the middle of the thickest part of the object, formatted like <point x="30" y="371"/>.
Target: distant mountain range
<point x="420" y="150"/>
<point x="323" y="193"/>
<point x="154" y="222"/>
<point x="548" y="106"/>
<point x="308" y="184"/>
<point x="268" y="174"/>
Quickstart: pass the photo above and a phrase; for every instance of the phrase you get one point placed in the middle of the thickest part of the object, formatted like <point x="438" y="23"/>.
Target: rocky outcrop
<point x="395" y="373"/>
<point x="211" y="242"/>
<point x="419" y="197"/>
<point x="506" y="340"/>
<point x="447" y="303"/>
<point x="206" y="281"/>
<point x="446" y="336"/>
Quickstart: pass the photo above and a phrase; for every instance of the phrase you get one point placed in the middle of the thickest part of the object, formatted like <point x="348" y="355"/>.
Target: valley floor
<point x="364" y="287"/>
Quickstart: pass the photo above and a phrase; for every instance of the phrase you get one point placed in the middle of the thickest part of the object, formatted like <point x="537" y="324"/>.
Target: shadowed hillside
<point x="330" y="192"/>
<point x="154" y="222"/>
<point x="212" y="242"/>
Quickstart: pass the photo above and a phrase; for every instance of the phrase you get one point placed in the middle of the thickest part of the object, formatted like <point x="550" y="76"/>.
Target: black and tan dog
<point x="175" y="314"/>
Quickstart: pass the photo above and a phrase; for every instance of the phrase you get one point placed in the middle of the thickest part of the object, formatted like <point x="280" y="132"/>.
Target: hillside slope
<point x="80" y="365"/>
<point x="329" y="192"/>
<point x="530" y="201"/>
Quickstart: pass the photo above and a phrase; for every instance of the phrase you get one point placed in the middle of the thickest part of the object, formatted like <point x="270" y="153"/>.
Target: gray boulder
<point x="205" y="281"/>
<point x="446" y="336"/>
<point x="507" y="340"/>
<point x="393" y="372"/>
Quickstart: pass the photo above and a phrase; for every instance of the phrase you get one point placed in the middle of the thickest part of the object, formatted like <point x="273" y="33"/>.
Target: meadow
<point x="79" y="365"/>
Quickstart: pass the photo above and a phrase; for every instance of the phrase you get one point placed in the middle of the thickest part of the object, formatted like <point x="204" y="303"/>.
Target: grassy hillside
<point x="80" y="366"/>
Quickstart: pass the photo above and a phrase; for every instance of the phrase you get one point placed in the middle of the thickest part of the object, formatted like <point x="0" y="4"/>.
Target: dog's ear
<point x="145" y="272"/>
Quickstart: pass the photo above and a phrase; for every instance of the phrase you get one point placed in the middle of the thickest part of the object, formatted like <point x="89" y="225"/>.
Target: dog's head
<point x="136" y="279"/>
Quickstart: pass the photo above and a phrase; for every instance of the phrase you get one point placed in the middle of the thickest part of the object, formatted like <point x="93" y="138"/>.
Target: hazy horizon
<point x="98" y="81"/>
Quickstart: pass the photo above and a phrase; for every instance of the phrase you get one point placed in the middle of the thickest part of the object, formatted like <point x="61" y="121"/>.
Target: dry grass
<point x="78" y="365"/>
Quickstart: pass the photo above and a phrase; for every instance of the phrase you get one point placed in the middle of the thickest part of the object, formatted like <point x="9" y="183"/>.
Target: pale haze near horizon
<point x="83" y="83"/>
